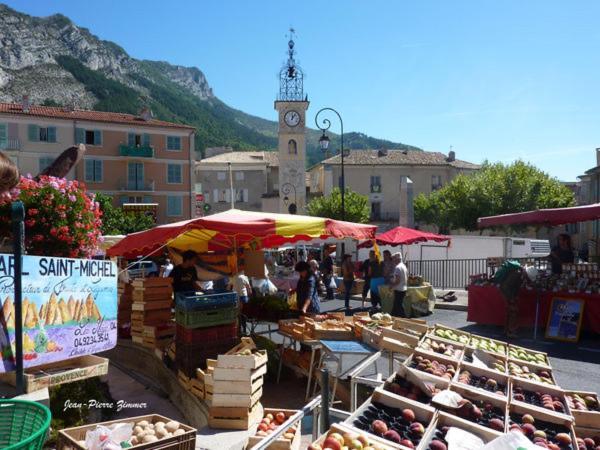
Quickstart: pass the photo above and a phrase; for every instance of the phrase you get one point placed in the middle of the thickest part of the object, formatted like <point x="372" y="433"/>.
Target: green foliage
<point x="356" y="206"/>
<point x="78" y="392"/>
<point x="50" y="102"/>
<point x="116" y="221"/>
<point x="495" y="189"/>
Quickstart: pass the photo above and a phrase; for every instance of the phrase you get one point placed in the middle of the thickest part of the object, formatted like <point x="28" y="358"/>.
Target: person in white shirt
<point x="241" y="285"/>
<point x="399" y="284"/>
<point x="167" y="268"/>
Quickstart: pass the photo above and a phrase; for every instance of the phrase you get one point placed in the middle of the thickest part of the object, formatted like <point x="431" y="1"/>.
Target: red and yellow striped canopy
<point x="236" y="228"/>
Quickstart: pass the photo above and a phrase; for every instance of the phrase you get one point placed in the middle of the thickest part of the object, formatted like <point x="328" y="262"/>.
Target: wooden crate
<point x="334" y="335"/>
<point x="280" y="443"/>
<point x="197" y="388"/>
<point x="238" y="387"/>
<point x="586" y="419"/>
<point x="502" y="343"/>
<point x="150" y="306"/>
<point x="183" y="380"/>
<point x="236" y="400"/>
<point x="582" y="432"/>
<point x="439" y="358"/>
<point x="415" y="325"/>
<point x="417" y="378"/>
<point x="227" y="374"/>
<point x="489" y="373"/>
<point x="253" y="361"/>
<point x="477" y="395"/>
<point x="62" y="372"/>
<point x="447" y="420"/>
<point x="458" y="348"/>
<point x="343" y="428"/>
<point x="68" y="439"/>
<point x="545" y="364"/>
<point x="486" y="358"/>
<point x="459" y="333"/>
<point x="234" y="418"/>
<point x="544" y="415"/>
<point x="543" y="389"/>
<point x="157" y="315"/>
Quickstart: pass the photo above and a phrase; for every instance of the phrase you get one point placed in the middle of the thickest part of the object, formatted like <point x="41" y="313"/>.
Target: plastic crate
<point x="206" y="302"/>
<point x="205" y="319"/>
<point x="23" y="425"/>
<point x="212" y="334"/>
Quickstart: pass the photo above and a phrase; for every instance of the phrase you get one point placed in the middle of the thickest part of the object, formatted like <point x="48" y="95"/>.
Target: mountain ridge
<point x="56" y="62"/>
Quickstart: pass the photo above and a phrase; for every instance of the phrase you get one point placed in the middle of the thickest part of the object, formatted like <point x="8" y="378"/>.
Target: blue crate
<point x="206" y="302"/>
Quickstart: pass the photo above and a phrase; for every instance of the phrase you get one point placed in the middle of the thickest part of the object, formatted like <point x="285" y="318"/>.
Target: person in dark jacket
<point x="327" y="273"/>
<point x="307" y="296"/>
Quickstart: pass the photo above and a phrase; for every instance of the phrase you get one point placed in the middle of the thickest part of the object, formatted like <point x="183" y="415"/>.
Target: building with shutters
<point x="134" y="159"/>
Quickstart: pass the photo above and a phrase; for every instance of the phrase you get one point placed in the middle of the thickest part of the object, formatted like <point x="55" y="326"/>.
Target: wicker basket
<point x="23" y="425"/>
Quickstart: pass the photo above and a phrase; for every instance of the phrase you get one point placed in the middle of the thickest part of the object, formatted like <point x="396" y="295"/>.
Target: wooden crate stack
<point x="237" y="388"/>
<point x="125" y="293"/>
<point x="151" y="315"/>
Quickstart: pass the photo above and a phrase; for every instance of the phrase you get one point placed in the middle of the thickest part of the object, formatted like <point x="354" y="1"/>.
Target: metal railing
<point x="10" y="144"/>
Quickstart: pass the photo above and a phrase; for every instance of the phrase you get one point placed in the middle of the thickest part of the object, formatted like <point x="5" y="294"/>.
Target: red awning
<point x="234" y="228"/>
<point x="552" y="216"/>
<point x="405" y="236"/>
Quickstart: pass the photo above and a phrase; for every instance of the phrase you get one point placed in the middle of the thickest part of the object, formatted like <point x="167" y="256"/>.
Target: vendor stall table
<point x="419" y="300"/>
<point x="336" y="350"/>
<point x="487" y="306"/>
<point x="292" y="343"/>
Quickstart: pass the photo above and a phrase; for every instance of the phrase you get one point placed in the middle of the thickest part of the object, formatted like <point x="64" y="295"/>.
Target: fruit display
<point x="587" y="440"/>
<point x="493" y="363"/>
<point x="482" y="412"/>
<point x="449" y="350"/>
<point x="432" y="367"/>
<point x="544" y="434"/>
<point x="482" y="382"/>
<point x="339" y="439"/>
<point x="438" y="441"/>
<point x="146" y="432"/>
<point x="527" y="373"/>
<point x="270" y="422"/>
<point x="394" y="424"/>
<point x="540" y="399"/>
<point x="580" y="401"/>
<point x="489" y="345"/>
<point x="452" y="335"/>
<point x="530" y="356"/>
<point x="401" y="386"/>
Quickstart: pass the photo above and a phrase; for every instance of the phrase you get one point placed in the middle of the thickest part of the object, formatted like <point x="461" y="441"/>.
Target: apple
<point x="338" y="437"/>
<point x="332" y="443"/>
<point x="280" y="417"/>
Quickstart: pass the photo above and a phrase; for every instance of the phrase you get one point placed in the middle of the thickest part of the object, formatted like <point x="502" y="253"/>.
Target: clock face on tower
<point x="291" y="118"/>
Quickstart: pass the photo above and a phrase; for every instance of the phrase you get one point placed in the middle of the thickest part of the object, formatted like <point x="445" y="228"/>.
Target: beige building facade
<point x="134" y="159"/>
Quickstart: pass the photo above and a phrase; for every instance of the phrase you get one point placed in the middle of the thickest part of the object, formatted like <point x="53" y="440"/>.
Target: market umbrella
<point x="405" y="236"/>
<point x="547" y="217"/>
<point x="236" y="228"/>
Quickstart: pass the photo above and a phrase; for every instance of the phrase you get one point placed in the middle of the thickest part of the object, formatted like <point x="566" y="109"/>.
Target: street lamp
<point x="286" y="190"/>
<point x="324" y="144"/>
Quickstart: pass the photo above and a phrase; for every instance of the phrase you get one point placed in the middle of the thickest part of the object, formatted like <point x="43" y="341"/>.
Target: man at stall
<point x="307" y="296"/>
<point x="348" y="276"/>
<point x="376" y="278"/>
<point x="399" y="284"/>
<point x="185" y="277"/>
<point x="327" y="273"/>
<point x="388" y="266"/>
<point x="562" y="253"/>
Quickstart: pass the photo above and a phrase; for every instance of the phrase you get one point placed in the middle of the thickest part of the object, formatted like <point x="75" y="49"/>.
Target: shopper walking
<point x="327" y="274"/>
<point x="400" y="285"/>
<point x="307" y="297"/>
<point x="376" y="278"/>
<point x="388" y="266"/>
<point x="348" y="276"/>
<point x="364" y="268"/>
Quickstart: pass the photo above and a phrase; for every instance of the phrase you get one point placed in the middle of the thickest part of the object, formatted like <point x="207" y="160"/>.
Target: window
<point x="292" y="147"/>
<point x="174" y="206"/>
<point x="3" y="135"/>
<point x="174" y="173"/>
<point x="41" y="134"/>
<point x="375" y="211"/>
<point x="138" y="140"/>
<point x="375" y="183"/>
<point x="221" y="176"/>
<point x="436" y="182"/>
<point x="173" y="143"/>
<point x="135" y="176"/>
<point x="93" y="171"/>
<point x="241" y="195"/>
<point x="88" y="137"/>
<point x="239" y="176"/>
<point x="45" y="162"/>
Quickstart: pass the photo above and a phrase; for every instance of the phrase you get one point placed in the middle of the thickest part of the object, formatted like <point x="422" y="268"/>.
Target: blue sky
<point x="496" y="80"/>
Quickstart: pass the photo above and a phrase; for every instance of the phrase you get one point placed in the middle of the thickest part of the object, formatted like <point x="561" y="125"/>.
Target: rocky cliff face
<point x="29" y="46"/>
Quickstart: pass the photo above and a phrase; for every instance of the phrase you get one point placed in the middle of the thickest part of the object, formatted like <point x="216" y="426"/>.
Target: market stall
<point x="577" y="283"/>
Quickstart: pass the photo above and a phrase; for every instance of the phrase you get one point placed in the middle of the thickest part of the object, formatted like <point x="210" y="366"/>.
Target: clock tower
<point x="291" y="105"/>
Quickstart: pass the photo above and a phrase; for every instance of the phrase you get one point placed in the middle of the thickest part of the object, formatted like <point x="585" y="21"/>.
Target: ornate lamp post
<point x="287" y="189"/>
<point x="324" y="144"/>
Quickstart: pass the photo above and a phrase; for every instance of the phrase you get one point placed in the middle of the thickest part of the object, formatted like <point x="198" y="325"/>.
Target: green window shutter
<point x="122" y="200"/>
<point x="169" y="143"/>
<point x="89" y="170"/>
<point x="51" y="134"/>
<point x="131" y="139"/>
<point x="98" y="170"/>
<point x="147" y="199"/>
<point x="3" y="135"/>
<point x="79" y="136"/>
<point x="146" y="140"/>
<point x="97" y="137"/>
<point x="33" y="133"/>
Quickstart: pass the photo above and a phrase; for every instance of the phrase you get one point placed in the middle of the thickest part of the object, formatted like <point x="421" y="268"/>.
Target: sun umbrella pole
<point x="18" y="215"/>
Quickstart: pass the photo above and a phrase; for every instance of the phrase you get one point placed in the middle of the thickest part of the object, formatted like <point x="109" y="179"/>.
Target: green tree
<point x="495" y="189"/>
<point x="356" y="206"/>
<point x="116" y="221"/>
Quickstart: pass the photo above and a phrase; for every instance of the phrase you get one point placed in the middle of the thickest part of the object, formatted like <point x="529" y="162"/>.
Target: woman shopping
<point x="307" y="295"/>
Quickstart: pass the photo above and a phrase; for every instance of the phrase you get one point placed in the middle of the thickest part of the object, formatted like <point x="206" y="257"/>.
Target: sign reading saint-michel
<point x="69" y="309"/>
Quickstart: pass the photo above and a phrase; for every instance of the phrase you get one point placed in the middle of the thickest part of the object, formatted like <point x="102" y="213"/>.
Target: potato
<point x="161" y="432"/>
<point x="172" y="426"/>
<point x="178" y="432"/>
<point x="142" y="423"/>
<point x="160" y="423"/>
<point x="134" y="440"/>
<point x="149" y="438"/>
<point x="149" y="432"/>
<point x="150" y="426"/>
<point x="140" y="435"/>
<point x="137" y="429"/>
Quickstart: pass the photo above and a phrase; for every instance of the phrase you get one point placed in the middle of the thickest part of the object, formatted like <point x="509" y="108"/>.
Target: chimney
<point x="25" y="103"/>
<point x="451" y="156"/>
<point x="146" y="114"/>
<point x="382" y="152"/>
<point x="598" y="156"/>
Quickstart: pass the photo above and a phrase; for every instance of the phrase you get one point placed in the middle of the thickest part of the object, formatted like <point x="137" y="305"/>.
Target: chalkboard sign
<point x="564" y="319"/>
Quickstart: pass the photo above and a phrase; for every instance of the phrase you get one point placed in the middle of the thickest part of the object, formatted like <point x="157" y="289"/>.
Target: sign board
<point x="69" y="309"/>
<point x="564" y="319"/>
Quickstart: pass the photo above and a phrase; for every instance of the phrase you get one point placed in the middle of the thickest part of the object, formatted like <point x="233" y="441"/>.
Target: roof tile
<point x="399" y="158"/>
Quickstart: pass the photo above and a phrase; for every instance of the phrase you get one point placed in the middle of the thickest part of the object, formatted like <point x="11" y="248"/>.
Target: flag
<point x="377" y="251"/>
